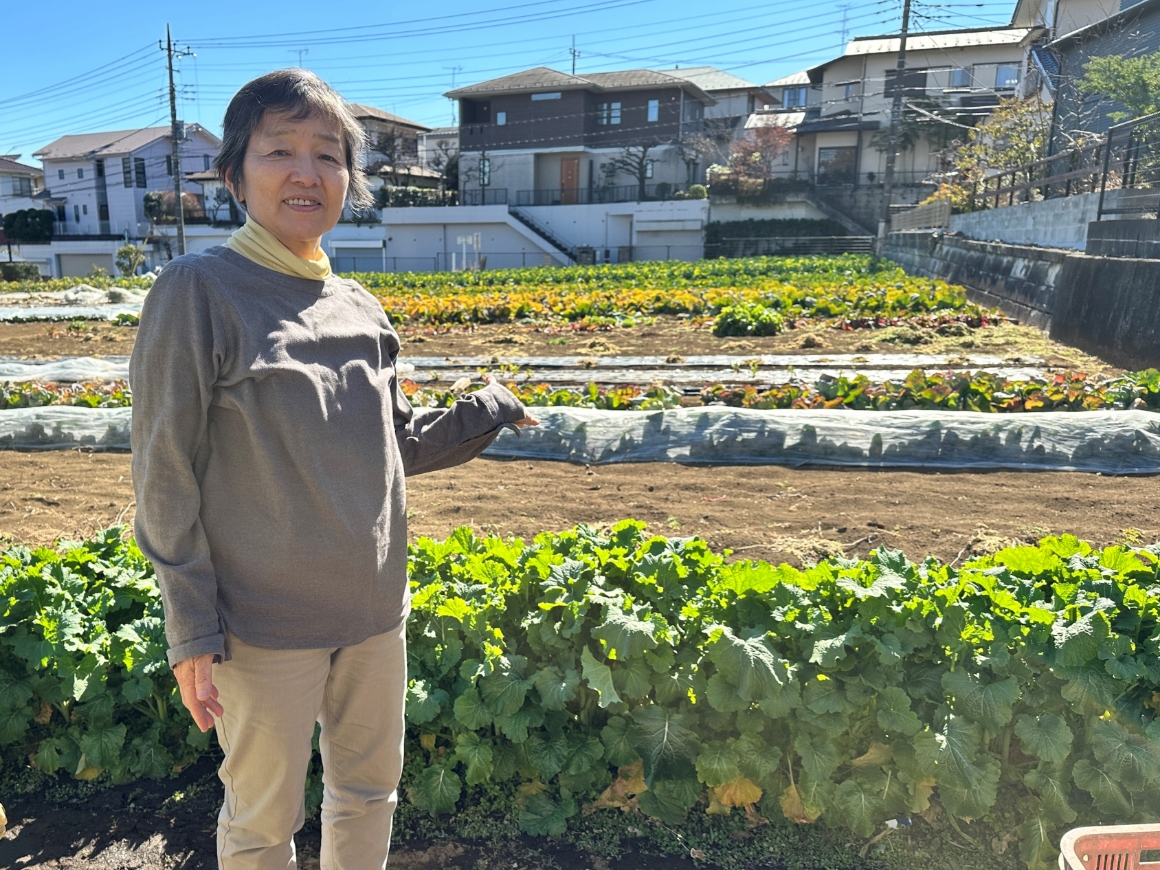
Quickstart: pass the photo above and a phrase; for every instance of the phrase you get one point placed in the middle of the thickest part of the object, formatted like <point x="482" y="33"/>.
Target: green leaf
<point x="423" y="705"/>
<point x="1129" y="758"/>
<point x="670" y="800"/>
<point x="818" y="755"/>
<point x="1053" y="783"/>
<point x="860" y="806"/>
<point x="1089" y="688"/>
<point x="1106" y="793"/>
<point x="663" y="739"/>
<point x="828" y="651"/>
<point x="673" y="686"/>
<point x="48" y="755"/>
<point x="1046" y="737"/>
<point x="436" y="790"/>
<point x="1078" y="643"/>
<point x="1037" y="843"/>
<point x="515" y="728"/>
<point x="556" y="690"/>
<point x="14" y="724"/>
<point x="504" y="690"/>
<point x="633" y="679"/>
<point x="541" y="816"/>
<point x="894" y="713"/>
<point x="972" y="799"/>
<point x="470" y="710"/>
<point x="149" y="758"/>
<point x="477" y="757"/>
<point x="991" y="705"/>
<point x="757" y="760"/>
<point x="547" y="754"/>
<point x="751" y="665"/>
<point x="599" y="677"/>
<point x="717" y="764"/>
<point x="102" y="744"/>
<point x="624" y="636"/>
<point x="824" y="696"/>
<point x="587" y="751"/>
<point x="617" y="737"/>
<point x="14" y="694"/>
<point x="137" y="689"/>
<point x="723" y="695"/>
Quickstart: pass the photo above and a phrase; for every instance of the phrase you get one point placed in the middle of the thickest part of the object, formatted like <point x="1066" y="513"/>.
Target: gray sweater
<point x="270" y="444"/>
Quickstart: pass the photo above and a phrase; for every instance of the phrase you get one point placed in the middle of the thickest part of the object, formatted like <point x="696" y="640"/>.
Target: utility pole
<point x="895" y="122"/>
<point x="299" y="52"/>
<point x="575" y="54"/>
<point x="454" y="103"/>
<point x="176" y="132"/>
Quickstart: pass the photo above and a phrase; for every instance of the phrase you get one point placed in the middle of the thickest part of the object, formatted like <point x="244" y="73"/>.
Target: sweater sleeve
<point x="431" y="439"/>
<point x="172" y="372"/>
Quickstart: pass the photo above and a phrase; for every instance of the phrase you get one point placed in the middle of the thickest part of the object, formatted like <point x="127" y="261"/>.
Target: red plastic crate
<point x="1114" y="847"/>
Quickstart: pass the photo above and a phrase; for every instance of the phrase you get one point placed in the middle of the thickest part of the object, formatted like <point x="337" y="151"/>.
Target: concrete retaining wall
<point x="1107" y="306"/>
<point x="1019" y="280"/>
<point x="1052" y="223"/>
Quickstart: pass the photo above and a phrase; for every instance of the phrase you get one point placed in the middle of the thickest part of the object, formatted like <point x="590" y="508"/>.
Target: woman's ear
<point x="234" y="188"/>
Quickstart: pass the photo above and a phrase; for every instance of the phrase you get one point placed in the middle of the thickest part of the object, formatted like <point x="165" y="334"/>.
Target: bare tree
<point x="394" y="150"/>
<point x="445" y="161"/>
<point x="634" y="161"/>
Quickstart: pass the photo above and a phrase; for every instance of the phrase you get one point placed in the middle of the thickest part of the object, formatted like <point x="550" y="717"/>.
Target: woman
<point x="270" y="444"/>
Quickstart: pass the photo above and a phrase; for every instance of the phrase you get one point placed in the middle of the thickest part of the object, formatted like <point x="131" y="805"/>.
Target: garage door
<point x="79" y="265"/>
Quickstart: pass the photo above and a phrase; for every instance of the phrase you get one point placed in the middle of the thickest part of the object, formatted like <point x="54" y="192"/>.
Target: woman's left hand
<point x="528" y="420"/>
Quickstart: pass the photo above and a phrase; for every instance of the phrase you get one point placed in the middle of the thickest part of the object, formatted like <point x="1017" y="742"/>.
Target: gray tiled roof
<point x="709" y="78"/>
<point x="543" y="78"/>
<point x="112" y="142"/>
<point x="8" y="166"/>
<point x="361" y="111"/>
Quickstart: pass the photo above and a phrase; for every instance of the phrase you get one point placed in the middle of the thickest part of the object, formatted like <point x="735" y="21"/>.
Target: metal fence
<point x="484" y="196"/>
<point x="1127" y="159"/>
<point x="1132" y="165"/>
<point x="789" y="246"/>
<point x="660" y="192"/>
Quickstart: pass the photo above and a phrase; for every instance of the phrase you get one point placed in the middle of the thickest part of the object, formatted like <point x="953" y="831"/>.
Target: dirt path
<point x="763" y="512"/>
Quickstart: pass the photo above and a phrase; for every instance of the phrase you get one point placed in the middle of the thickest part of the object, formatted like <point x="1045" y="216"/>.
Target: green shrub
<point x="619" y="670"/>
<point x="698" y="191"/>
<point x="30" y="225"/>
<point x="19" y="272"/>
<point x="771" y="228"/>
<point x="748" y="318"/>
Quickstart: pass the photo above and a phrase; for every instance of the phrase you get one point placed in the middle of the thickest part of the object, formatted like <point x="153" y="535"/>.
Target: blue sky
<point x="99" y="68"/>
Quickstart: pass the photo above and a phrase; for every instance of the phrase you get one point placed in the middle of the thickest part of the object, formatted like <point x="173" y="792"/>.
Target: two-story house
<point x="19" y="185"/>
<point x="952" y="79"/>
<point x="541" y="136"/>
<point x="102" y="178"/>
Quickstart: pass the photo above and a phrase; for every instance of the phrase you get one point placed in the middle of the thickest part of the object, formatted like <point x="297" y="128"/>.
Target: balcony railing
<point x="484" y="196"/>
<point x="659" y="192"/>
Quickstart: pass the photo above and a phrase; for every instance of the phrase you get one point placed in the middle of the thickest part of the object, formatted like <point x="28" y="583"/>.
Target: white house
<point x="19" y="185"/>
<point x="102" y="178"/>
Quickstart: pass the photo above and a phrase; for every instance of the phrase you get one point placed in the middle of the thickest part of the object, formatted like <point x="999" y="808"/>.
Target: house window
<point x="139" y="171"/>
<point x="76" y="214"/>
<point x="127" y="171"/>
<point x="913" y="83"/>
<point x="80" y="172"/>
<point x="793" y="98"/>
<point x="205" y="162"/>
<point x="1006" y="75"/>
<point x="20" y="186"/>
<point x="85" y="209"/>
<point x="960" y="78"/>
<point x="501" y="119"/>
<point x="750" y="104"/>
<point x="100" y="169"/>
<point x="103" y="211"/>
<point x="484" y="171"/>
<point x="168" y="164"/>
<point x="553" y="95"/>
<point x="60" y="174"/>
<point x="837" y="165"/>
<point x="849" y="91"/>
<point x="60" y="214"/>
<point x="648" y="168"/>
<point x="608" y="113"/>
<point x="654" y="110"/>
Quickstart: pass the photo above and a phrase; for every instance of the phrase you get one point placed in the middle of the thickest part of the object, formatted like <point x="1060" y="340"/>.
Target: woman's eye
<point x="329" y="157"/>
<point x="279" y="152"/>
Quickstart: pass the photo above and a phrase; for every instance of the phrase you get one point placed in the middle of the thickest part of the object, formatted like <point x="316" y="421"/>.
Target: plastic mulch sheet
<point x="1111" y="442"/>
<point x="67" y="312"/>
<point x="74" y="369"/>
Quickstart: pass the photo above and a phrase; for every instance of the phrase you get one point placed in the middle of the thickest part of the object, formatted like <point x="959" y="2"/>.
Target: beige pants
<point x="272" y="698"/>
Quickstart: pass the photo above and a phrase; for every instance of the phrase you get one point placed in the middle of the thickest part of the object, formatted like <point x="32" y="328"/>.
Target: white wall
<point x="1052" y="223"/>
<point x="603" y="226"/>
<point x="785" y="210"/>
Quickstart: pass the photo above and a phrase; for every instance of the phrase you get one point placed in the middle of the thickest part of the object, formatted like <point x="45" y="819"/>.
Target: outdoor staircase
<point x="544" y="233"/>
<point x="834" y="213"/>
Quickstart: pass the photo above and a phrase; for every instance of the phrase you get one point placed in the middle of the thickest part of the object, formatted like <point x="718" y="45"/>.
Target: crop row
<point x="622" y="670"/>
<point x="952" y="391"/>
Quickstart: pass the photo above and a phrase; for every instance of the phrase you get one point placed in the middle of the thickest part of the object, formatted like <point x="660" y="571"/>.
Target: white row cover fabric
<point x="82" y="294"/>
<point x="1110" y="442"/>
<point x="75" y="369"/>
<point x="907" y="361"/>
<point x="67" y="312"/>
<point x="695" y="377"/>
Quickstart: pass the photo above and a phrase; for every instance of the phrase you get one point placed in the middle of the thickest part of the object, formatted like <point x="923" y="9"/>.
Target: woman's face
<point x="294" y="180"/>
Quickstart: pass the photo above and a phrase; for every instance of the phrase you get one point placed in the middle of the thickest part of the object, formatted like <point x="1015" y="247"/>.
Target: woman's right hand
<point x="198" y="693"/>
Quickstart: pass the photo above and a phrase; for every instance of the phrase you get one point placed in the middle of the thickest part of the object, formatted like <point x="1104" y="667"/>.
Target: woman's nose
<point x="304" y="171"/>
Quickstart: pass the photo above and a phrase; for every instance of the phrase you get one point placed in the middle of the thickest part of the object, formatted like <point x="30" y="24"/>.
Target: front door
<point x="569" y="179"/>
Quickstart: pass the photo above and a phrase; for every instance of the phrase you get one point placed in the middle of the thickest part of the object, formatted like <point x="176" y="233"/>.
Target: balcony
<point x="484" y="196"/>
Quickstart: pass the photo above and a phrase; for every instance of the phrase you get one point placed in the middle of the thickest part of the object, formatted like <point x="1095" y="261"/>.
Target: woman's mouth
<point x="302" y="203"/>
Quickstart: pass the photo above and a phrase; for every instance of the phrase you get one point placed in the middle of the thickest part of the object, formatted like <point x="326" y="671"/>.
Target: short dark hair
<point x="298" y="94"/>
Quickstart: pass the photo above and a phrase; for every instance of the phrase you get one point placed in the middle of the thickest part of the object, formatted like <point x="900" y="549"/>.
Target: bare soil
<point x="666" y="336"/>
<point x="766" y="512"/>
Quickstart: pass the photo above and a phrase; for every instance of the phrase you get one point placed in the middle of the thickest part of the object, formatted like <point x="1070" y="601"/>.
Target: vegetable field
<point x="588" y="673"/>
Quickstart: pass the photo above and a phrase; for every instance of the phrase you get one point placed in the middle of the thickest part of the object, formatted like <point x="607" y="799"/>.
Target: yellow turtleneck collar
<point x="256" y="243"/>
